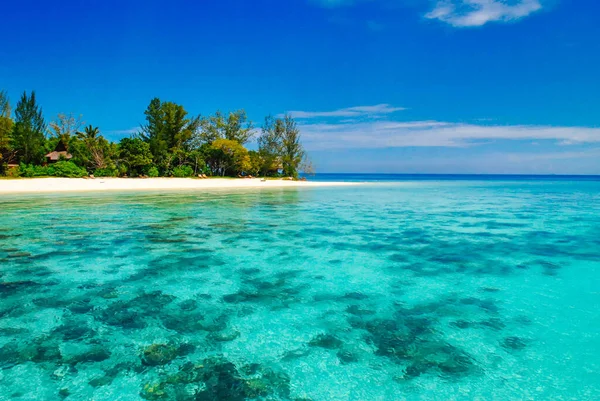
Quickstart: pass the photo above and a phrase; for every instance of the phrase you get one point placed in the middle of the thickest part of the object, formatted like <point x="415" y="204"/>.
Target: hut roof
<point x="60" y="147"/>
<point x="59" y="151"/>
<point x="55" y="156"/>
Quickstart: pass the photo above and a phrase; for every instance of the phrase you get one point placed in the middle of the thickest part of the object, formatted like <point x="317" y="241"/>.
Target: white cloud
<point x="458" y="13"/>
<point x="469" y="13"/>
<point x="357" y="111"/>
<point x="123" y="133"/>
<point x="392" y="134"/>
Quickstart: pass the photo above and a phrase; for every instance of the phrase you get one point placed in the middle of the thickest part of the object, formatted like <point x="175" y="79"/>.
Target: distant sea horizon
<point x="377" y="177"/>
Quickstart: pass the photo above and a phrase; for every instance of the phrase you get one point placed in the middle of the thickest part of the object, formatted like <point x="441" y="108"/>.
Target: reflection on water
<point x="382" y="292"/>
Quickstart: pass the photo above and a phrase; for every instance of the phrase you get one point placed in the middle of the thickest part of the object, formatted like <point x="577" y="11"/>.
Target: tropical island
<point x="171" y="143"/>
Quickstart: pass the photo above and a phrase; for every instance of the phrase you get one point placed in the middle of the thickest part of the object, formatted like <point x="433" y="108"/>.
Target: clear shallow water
<point x="414" y="291"/>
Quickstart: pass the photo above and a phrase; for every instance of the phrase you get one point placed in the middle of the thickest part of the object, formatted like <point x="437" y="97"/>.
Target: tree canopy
<point x="28" y="133"/>
<point x="171" y="142"/>
<point x="6" y="127"/>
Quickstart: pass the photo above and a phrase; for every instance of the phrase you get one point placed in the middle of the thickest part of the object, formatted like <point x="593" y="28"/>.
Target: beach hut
<point x="60" y="152"/>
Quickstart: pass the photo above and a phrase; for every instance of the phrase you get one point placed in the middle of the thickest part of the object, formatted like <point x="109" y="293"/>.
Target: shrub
<point x="28" y="170"/>
<point x="122" y="170"/>
<point x="152" y="172"/>
<point x="183" y="171"/>
<point x="67" y="169"/>
<point x="106" y="172"/>
<point x="13" y="172"/>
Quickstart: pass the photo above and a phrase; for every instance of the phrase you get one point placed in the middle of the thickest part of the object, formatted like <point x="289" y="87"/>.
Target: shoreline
<point x="62" y="185"/>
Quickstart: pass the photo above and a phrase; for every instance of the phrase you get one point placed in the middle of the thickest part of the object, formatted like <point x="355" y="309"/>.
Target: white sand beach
<point x="51" y="185"/>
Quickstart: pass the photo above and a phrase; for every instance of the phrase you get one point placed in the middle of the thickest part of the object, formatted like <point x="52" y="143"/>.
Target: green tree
<point x="28" y="133"/>
<point x="135" y="154"/>
<point x="196" y="158"/>
<point x="92" y="151"/>
<point x="270" y="143"/>
<point x="256" y="162"/>
<point x="235" y="127"/>
<point x="211" y="129"/>
<point x="292" y="151"/>
<point x="6" y="127"/>
<point x="227" y="157"/>
<point x="238" y="128"/>
<point x="89" y="133"/>
<point x="168" y="131"/>
<point x="65" y="127"/>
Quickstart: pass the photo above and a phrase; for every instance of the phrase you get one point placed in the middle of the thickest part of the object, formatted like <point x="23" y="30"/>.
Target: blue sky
<point x="431" y="86"/>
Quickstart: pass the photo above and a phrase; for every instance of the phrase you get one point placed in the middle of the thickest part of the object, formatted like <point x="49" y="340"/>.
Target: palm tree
<point x="90" y="133"/>
<point x="93" y="142"/>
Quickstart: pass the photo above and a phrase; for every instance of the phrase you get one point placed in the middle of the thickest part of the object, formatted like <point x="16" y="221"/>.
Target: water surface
<point x="447" y="290"/>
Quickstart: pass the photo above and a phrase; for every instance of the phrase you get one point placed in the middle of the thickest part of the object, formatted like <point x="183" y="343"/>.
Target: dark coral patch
<point x="513" y="343"/>
<point x="327" y="341"/>
<point x="217" y="379"/>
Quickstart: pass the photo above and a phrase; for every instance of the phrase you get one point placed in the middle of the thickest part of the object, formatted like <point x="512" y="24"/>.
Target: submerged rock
<point x="93" y="355"/>
<point x="358" y="311"/>
<point x="16" y="255"/>
<point x="120" y="314"/>
<point x="74" y="330"/>
<point x="327" y="341"/>
<point x="513" y="343"/>
<point x="151" y="302"/>
<point x="10" y="250"/>
<point x="162" y="354"/>
<point x="9" y="355"/>
<point x="130" y="314"/>
<point x="250" y="271"/>
<point x="357" y="296"/>
<point x="462" y="324"/>
<point x="457" y="365"/>
<point x="296" y="353"/>
<point x="216" y="323"/>
<point x="50" y="302"/>
<point x="494" y="324"/>
<point x="223" y="381"/>
<point x="490" y="289"/>
<point x="101" y="381"/>
<point x="239" y="297"/>
<point x="189" y="322"/>
<point x="412" y="341"/>
<point x="188" y="305"/>
<point x="256" y="388"/>
<point x="11" y="331"/>
<point x="81" y="306"/>
<point x="154" y="391"/>
<point x="8" y="288"/>
<point x="487" y="305"/>
<point x="42" y="350"/>
<point x="159" y="354"/>
<point x="416" y="369"/>
<point x="217" y="379"/>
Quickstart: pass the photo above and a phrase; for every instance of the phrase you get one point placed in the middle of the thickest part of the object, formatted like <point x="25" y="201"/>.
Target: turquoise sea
<point x="436" y="289"/>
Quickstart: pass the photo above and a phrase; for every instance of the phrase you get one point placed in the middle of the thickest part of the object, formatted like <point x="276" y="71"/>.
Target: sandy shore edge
<point x="59" y="185"/>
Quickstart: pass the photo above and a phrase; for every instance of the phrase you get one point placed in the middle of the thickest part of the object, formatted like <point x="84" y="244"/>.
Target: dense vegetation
<point x="171" y="143"/>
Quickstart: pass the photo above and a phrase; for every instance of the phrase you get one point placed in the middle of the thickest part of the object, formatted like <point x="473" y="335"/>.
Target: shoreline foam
<point x="59" y="185"/>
